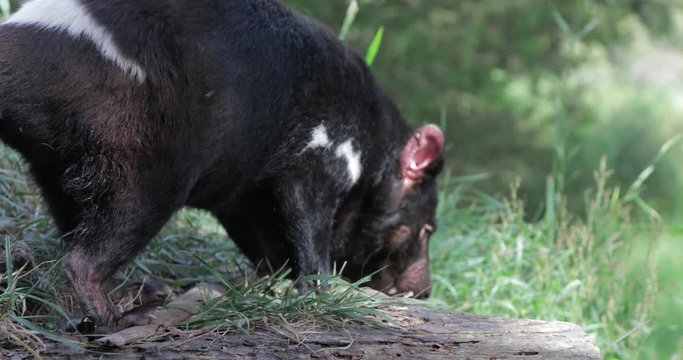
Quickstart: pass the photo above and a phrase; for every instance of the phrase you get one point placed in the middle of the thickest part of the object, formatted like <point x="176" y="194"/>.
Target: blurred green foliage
<point x="507" y="75"/>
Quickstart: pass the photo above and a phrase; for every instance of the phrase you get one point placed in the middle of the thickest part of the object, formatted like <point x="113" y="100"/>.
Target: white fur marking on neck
<point x="72" y="17"/>
<point x="345" y="150"/>
<point x="319" y="138"/>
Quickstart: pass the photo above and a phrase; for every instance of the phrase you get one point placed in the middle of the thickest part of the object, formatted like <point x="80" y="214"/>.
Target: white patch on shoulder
<point x="319" y="138"/>
<point x="72" y="17"/>
<point x="345" y="150"/>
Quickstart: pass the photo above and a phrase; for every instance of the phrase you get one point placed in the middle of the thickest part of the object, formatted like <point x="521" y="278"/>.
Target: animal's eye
<point x="400" y="236"/>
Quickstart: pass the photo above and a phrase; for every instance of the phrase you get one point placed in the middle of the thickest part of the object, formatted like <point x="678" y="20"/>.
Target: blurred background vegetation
<point x="531" y="87"/>
<point x="535" y="93"/>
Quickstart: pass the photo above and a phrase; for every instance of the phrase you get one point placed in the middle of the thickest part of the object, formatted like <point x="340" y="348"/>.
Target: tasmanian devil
<point x="127" y="110"/>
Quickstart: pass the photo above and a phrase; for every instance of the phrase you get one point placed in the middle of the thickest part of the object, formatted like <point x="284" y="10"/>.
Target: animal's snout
<point x="416" y="279"/>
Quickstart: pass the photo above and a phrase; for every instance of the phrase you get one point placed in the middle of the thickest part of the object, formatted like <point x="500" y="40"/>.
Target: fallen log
<point x="416" y="333"/>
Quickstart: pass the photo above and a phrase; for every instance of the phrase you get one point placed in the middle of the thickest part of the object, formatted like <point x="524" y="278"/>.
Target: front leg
<point x="307" y="216"/>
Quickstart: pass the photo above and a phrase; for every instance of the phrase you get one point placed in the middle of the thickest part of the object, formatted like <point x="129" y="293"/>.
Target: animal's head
<point x="397" y="223"/>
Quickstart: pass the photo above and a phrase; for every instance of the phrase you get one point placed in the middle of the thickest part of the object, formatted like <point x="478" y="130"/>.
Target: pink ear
<point x="422" y="149"/>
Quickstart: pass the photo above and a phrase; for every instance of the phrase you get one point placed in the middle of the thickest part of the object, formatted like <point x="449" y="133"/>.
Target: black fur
<point x="232" y="91"/>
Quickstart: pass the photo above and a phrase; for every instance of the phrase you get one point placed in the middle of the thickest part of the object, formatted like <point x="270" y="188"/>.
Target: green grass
<point x="666" y="324"/>
<point x="606" y="268"/>
<point x="274" y="298"/>
<point x="577" y="267"/>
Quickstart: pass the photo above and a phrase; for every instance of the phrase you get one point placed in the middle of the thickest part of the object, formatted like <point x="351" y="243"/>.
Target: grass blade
<point x="373" y="49"/>
<point x="5" y="7"/>
<point x="349" y="18"/>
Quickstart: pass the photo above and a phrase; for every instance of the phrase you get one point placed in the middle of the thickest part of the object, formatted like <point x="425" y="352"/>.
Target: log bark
<point x="423" y="334"/>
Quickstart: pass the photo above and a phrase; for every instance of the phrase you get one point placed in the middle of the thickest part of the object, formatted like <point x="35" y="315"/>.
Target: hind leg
<point x="109" y="235"/>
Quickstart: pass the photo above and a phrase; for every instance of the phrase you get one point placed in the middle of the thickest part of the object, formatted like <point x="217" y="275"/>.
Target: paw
<point x="74" y="325"/>
<point x="142" y="315"/>
<point x="141" y="293"/>
<point x="303" y="286"/>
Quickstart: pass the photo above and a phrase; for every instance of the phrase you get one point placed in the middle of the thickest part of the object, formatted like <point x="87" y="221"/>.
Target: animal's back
<point x="219" y="89"/>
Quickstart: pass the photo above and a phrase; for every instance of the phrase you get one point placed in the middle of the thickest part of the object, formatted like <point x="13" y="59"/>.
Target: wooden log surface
<point x="419" y="333"/>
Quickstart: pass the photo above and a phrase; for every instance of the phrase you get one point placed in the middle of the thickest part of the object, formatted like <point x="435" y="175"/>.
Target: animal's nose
<point x="415" y="278"/>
